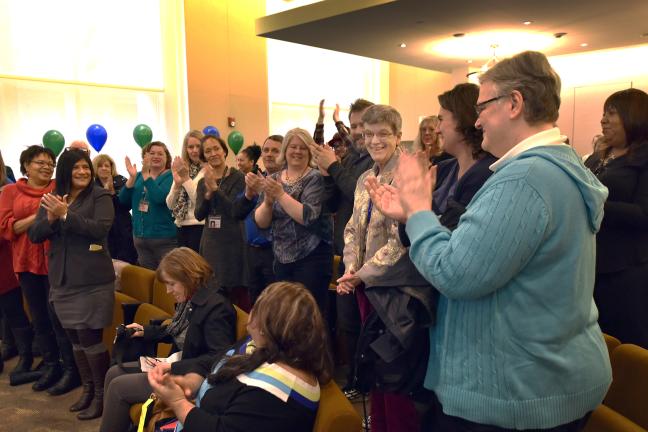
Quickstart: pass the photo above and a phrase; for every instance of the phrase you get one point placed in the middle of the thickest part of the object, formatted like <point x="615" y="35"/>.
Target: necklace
<point x="295" y="180"/>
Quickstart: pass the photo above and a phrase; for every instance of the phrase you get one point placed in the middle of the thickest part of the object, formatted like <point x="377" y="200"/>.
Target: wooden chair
<point x="137" y="282"/>
<point x="624" y="407"/>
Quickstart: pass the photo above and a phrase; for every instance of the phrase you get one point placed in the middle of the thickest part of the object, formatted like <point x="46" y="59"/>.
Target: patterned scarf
<point x="182" y="201"/>
<point x="177" y="329"/>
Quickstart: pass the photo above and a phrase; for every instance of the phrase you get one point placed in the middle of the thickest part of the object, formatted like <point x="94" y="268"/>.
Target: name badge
<point x="95" y="247"/>
<point x="143" y="206"/>
<point x="214" y="222"/>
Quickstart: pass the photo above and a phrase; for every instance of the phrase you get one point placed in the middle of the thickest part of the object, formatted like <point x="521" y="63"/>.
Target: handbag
<point x="128" y="349"/>
<point x="156" y="416"/>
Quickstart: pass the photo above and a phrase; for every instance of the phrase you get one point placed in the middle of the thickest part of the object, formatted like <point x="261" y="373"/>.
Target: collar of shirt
<point x="549" y="137"/>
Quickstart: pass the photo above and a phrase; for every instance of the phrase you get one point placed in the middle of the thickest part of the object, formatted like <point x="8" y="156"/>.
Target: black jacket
<point x="78" y="253"/>
<point x="120" y="237"/>
<point x="622" y="241"/>
<point x="341" y="185"/>
<point x="212" y="328"/>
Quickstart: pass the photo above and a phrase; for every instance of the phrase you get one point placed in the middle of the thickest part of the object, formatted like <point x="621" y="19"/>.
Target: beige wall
<point x="413" y="92"/>
<point x="227" y="67"/>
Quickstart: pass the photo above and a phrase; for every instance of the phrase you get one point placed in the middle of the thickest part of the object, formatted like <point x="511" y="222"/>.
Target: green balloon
<point x="142" y="135"/>
<point x="235" y="141"/>
<point x="54" y="141"/>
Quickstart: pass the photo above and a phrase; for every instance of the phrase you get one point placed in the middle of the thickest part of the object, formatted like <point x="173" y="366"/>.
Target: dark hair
<point x="278" y="138"/>
<point x="530" y="74"/>
<point x="64" y="168"/>
<point x="31" y="152"/>
<point x="213" y="137"/>
<point x="253" y="152"/>
<point x="147" y="149"/>
<point x="184" y="265"/>
<point x="460" y="101"/>
<point x="632" y="107"/>
<point x="359" y="105"/>
<point x="295" y="333"/>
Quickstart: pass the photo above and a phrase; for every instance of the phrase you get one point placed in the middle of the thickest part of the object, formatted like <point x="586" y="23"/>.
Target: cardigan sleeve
<point x="489" y="247"/>
<point x="157" y="193"/>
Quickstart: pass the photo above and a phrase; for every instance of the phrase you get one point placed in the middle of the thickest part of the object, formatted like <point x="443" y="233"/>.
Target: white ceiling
<point x="375" y="28"/>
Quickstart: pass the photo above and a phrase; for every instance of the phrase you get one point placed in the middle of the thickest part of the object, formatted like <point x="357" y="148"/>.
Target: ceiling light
<point x="584" y="44"/>
<point x="477" y="46"/>
<point x="402" y="45"/>
<point x="469" y="61"/>
<point x="527" y="22"/>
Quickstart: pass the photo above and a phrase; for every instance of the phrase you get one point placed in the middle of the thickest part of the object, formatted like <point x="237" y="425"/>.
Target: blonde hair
<point x="98" y="160"/>
<point x="418" y="141"/>
<point x="305" y="137"/>
<point x="194" y="133"/>
<point x="185" y="266"/>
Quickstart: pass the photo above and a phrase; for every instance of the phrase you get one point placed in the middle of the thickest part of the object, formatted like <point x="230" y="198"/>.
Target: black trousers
<point x="314" y="271"/>
<point x="622" y="300"/>
<point x="261" y="271"/>
<point x="189" y="236"/>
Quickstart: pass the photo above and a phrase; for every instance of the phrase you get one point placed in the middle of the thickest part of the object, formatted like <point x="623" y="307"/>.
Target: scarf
<point x="177" y="329"/>
<point x="182" y="202"/>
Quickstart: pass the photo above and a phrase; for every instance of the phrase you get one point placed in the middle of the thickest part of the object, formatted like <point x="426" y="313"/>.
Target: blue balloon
<point x="211" y="130"/>
<point x="97" y="136"/>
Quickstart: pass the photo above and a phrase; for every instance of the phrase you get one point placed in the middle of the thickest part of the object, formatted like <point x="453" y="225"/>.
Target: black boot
<point x="52" y="371"/>
<point x="86" y="378"/>
<point x="99" y="363"/>
<point x="70" y="379"/>
<point x="22" y="373"/>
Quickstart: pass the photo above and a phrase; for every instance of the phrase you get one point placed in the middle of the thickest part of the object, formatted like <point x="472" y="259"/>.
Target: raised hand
<point x="131" y="168"/>
<point x="415" y="183"/>
<point x="55" y="205"/>
<point x="386" y="199"/>
<point x="179" y="170"/>
<point x="211" y="183"/>
<point x="320" y="118"/>
<point x="323" y="156"/>
<point x="336" y="113"/>
<point x="273" y="188"/>
<point x="254" y="184"/>
<point x="164" y="386"/>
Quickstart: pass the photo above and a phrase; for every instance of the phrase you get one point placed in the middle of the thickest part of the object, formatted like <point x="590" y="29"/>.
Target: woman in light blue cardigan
<point x="517" y="344"/>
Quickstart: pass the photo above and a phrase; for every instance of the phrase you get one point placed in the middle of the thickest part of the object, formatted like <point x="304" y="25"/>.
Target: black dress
<point x="621" y="290"/>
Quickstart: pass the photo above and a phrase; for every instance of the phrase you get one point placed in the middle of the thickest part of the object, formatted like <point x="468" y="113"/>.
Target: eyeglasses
<point x="382" y="136"/>
<point x="482" y="105"/>
<point x="86" y="150"/>
<point x="42" y="164"/>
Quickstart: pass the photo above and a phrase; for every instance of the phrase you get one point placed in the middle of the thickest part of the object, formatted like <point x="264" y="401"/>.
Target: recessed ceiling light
<point x="402" y="45"/>
<point x="584" y="44"/>
<point x="469" y="61"/>
<point x="527" y="22"/>
<point x="477" y="46"/>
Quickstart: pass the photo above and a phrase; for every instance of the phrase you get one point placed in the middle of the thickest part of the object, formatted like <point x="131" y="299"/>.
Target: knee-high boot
<point x="22" y="373"/>
<point x="70" y="379"/>
<point x="52" y="370"/>
<point x="86" y="379"/>
<point x="99" y="363"/>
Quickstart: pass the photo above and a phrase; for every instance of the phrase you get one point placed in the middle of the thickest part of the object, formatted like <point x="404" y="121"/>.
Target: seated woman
<point x="272" y="387"/>
<point x="210" y="329"/>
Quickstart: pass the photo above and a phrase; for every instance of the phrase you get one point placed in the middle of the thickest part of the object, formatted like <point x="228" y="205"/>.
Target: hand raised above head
<point x="336" y="113"/>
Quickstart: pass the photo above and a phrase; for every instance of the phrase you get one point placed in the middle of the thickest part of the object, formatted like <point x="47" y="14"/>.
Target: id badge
<point x="214" y="222"/>
<point x="143" y="206"/>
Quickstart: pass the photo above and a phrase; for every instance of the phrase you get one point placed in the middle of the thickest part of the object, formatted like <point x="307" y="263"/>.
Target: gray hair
<point x="530" y="74"/>
<point x="383" y="114"/>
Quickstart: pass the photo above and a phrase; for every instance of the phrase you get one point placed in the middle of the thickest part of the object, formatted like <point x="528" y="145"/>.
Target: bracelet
<point x="64" y="217"/>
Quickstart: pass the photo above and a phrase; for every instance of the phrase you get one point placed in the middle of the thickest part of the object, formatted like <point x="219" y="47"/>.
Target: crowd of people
<point x="477" y="272"/>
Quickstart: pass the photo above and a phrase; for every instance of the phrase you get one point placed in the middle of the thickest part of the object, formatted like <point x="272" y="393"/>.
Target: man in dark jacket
<point x="341" y="179"/>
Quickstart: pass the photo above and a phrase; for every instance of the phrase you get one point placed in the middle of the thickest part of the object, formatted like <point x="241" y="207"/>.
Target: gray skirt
<point x="89" y="307"/>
